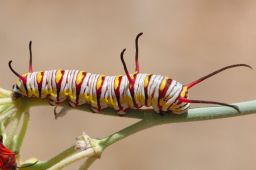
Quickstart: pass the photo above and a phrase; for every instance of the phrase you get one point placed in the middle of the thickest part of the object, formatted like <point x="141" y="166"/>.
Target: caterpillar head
<point x="19" y="88"/>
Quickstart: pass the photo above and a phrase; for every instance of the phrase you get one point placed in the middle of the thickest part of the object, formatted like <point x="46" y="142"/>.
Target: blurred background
<point x="183" y="39"/>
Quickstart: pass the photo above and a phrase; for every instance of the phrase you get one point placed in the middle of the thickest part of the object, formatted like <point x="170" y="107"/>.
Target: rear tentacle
<point x="185" y="100"/>
<point x="190" y="85"/>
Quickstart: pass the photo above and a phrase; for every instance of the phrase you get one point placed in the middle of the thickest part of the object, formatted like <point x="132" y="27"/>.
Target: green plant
<point x="14" y="114"/>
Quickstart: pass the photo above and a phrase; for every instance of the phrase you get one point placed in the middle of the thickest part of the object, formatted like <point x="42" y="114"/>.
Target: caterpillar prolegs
<point x="119" y="92"/>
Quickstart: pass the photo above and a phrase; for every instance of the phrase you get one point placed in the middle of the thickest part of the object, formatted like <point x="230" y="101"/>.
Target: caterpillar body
<point x="118" y="92"/>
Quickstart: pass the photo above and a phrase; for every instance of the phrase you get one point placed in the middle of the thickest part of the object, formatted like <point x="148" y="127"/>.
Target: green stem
<point x="4" y="101"/>
<point x="197" y="114"/>
<point x="148" y="119"/>
<point x="87" y="163"/>
<point x="65" y="154"/>
<point x="18" y="139"/>
<point x="141" y="125"/>
<point x="15" y="123"/>
<point x="80" y="155"/>
<point x="4" y="92"/>
<point x="151" y="119"/>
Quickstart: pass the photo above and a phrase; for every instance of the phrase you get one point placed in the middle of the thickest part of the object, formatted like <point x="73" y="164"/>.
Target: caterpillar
<point x="121" y="92"/>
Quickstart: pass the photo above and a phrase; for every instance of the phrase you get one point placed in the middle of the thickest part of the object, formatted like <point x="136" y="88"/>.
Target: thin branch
<point x="4" y="92"/>
<point x="80" y="155"/>
<point x="148" y="119"/>
<point x="6" y="100"/>
<point x="11" y="133"/>
<point x="18" y="139"/>
<point x="152" y="119"/>
<point x="65" y="154"/>
<point x="87" y="163"/>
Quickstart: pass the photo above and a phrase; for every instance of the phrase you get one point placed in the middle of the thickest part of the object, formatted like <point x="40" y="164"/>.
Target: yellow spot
<point x="116" y="82"/>
<point x="39" y="77"/>
<point x="58" y="76"/>
<point x="184" y="90"/>
<point x="99" y="82"/>
<point x="146" y="81"/>
<point x="163" y="84"/>
<point x="102" y="101"/>
<point x="44" y="92"/>
<point x="71" y="97"/>
<point x="162" y="102"/>
<point x="112" y="102"/>
<point x="79" y="77"/>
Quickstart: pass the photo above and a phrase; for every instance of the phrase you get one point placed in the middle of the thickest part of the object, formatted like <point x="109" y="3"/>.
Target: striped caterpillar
<point x="118" y="92"/>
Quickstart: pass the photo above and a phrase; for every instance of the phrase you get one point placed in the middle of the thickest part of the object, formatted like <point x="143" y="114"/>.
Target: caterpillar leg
<point x="94" y="109"/>
<point x="122" y="112"/>
<point x="52" y="102"/>
<point x="61" y="113"/>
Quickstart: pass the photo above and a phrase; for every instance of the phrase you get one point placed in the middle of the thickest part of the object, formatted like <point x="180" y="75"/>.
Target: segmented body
<point x="118" y="92"/>
<point x="100" y="91"/>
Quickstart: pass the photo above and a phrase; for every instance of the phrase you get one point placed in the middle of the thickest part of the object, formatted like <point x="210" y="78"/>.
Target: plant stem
<point x="15" y="123"/>
<point x="148" y="119"/>
<point x="65" y="154"/>
<point x="21" y="134"/>
<point x="80" y="155"/>
<point x="87" y="163"/>
<point x="4" y="92"/>
<point x="152" y="119"/>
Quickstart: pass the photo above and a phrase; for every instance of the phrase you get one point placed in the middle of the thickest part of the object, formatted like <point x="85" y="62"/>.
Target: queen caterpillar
<point x="120" y="92"/>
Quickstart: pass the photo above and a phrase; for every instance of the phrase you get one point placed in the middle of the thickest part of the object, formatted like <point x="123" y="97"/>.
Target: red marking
<point x="98" y="92"/>
<point x="58" y="84"/>
<point x="146" y="90"/>
<point x="189" y="85"/>
<point x="78" y="88"/>
<point x="117" y="93"/>
<point x="40" y="84"/>
<point x="7" y="158"/>
<point x="182" y="99"/>
<point x="24" y="81"/>
<point x="131" y="88"/>
<point x="163" y="92"/>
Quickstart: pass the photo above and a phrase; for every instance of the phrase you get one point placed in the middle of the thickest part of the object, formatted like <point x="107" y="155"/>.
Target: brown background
<point x="183" y="39"/>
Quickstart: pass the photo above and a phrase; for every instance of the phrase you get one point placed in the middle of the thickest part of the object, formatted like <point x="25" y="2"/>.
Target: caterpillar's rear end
<point x="118" y="92"/>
